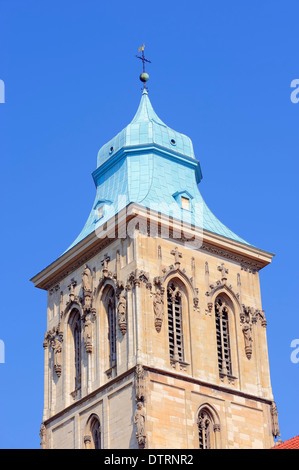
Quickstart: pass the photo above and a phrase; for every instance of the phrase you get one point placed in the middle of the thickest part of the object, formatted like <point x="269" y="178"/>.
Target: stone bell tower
<point x="156" y="335"/>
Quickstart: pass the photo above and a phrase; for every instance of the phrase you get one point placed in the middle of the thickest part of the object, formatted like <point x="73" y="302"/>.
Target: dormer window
<point x="184" y="200"/>
<point x="185" y="203"/>
<point x="100" y="211"/>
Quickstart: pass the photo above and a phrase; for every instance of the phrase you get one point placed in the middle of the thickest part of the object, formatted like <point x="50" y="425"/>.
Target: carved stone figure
<point x="105" y="263"/>
<point x="247" y="332"/>
<point x="158" y="310"/>
<point x="57" y="349"/>
<point x="43" y="436"/>
<point x="87" y="332"/>
<point x="274" y="416"/>
<point x="86" y="279"/>
<point x="122" y="313"/>
<point x="87" y="288"/>
<point x="139" y="420"/>
<point x="139" y="383"/>
<point x="72" y="290"/>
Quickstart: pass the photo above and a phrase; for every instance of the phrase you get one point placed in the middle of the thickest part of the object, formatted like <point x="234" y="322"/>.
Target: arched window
<point x="204" y="429"/>
<point x="92" y="438"/>
<point x="175" y="326"/>
<point x="207" y="429"/>
<point x="75" y="325"/>
<point x="222" y="336"/>
<point x="109" y="301"/>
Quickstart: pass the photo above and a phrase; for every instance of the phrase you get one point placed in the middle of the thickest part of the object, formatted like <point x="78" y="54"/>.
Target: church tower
<point x="156" y="335"/>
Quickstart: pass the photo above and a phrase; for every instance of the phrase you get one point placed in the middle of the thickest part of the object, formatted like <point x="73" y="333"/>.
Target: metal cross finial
<point x="144" y="76"/>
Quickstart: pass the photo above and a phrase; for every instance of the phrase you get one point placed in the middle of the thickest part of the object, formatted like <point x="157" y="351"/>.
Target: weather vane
<point x="144" y="76"/>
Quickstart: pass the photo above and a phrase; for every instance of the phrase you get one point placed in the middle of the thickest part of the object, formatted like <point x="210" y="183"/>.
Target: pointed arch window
<point x="92" y="440"/>
<point x="222" y="337"/>
<point x="109" y="302"/>
<point x="75" y="325"/>
<point x="207" y="429"/>
<point x="204" y="430"/>
<point x="95" y="429"/>
<point x="111" y="330"/>
<point x="175" y="326"/>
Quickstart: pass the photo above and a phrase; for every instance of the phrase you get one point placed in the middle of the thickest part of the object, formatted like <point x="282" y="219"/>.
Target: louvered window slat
<point x="77" y="350"/>
<point x="175" y="330"/>
<point x="111" y="331"/>
<point x="222" y="337"/>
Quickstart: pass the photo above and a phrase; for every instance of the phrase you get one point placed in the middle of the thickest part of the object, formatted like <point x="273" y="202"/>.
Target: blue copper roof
<point x="152" y="165"/>
<point x="147" y="128"/>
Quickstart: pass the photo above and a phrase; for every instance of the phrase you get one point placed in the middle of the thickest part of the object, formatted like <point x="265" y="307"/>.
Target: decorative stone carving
<point x="109" y="276"/>
<point x="122" y="313"/>
<point x="248" y="268"/>
<point x="88" y="320"/>
<point x="43" y="436"/>
<point x="72" y="290"/>
<point x="177" y="255"/>
<point x="139" y="420"/>
<point x="218" y="286"/>
<point x="87" y="441"/>
<point x="247" y="330"/>
<point x="216" y="427"/>
<point x="206" y="267"/>
<point x="160" y="280"/>
<point x="274" y="418"/>
<point x="224" y="272"/>
<point x="260" y="315"/>
<point x="196" y="300"/>
<point x="57" y="349"/>
<point x="105" y="263"/>
<point x="86" y="279"/>
<point x="119" y="288"/>
<point x="210" y="308"/>
<point x="244" y="262"/>
<point x="139" y="384"/>
<point x="138" y="278"/>
<point x="54" y="338"/>
<point x="158" y="310"/>
<point x="54" y="289"/>
<point x="87" y="288"/>
<point x="203" y="420"/>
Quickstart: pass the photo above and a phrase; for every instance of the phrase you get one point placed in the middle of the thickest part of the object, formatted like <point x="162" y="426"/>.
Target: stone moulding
<point x="248" y="257"/>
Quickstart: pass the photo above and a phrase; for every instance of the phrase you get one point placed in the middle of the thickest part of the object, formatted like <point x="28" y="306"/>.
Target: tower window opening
<point x="100" y="212"/>
<point x="185" y="203"/>
<point x="222" y="337"/>
<point x="175" y="324"/>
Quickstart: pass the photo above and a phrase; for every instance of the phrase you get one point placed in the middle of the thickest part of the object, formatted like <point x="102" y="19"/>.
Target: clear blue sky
<point x="220" y="73"/>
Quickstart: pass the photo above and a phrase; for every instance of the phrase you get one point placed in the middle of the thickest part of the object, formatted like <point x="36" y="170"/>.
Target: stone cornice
<point x="175" y="375"/>
<point x="249" y="257"/>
